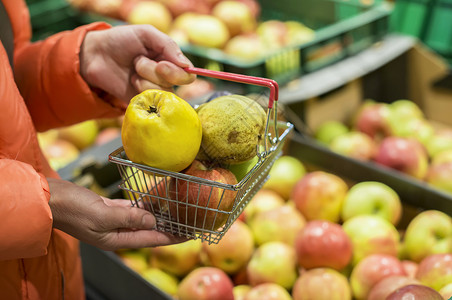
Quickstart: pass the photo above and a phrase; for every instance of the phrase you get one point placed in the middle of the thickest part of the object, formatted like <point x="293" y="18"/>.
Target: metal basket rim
<point x="114" y="158"/>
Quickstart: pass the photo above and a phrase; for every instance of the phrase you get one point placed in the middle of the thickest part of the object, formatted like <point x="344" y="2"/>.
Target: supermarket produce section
<point x="371" y="127"/>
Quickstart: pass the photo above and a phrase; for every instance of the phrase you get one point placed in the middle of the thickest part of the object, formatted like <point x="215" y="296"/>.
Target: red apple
<point x="226" y="255"/>
<point x="279" y="224"/>
<point x="263" y="200"/>
<point x="435" y="271"/>
<point x="284" y="174"/>
<point x="373" y="119"/>
<point x="273" y="262"/>
<point x="321" y="284"/>
<point x="178" y="259"/>
<point x="323" y="244"/>
<point x="389" y="284"/>
<point x="415" y="292"/>
<point x="354" y="144"/>
<point x="403" y="154"/>
<point x="370" y="270"/>
<point x="201" y="205"/>
<point x="268" y="291"/>
<point x="371" y="234"/>
<point x="372" y="197"/>
<point x="320" y="195"/>
<point x="206" y="283"/>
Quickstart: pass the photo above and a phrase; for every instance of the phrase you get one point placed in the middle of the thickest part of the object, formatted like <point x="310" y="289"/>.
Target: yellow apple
<point x="151" y="12"/>
<point x="162" y="280"/>
<point x="161" y="130"/>
<point x="208" y="31"/>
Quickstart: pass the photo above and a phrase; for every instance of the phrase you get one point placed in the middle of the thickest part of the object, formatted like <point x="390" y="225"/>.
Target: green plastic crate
<point x="342" y="28"/>
<point x="429" y="20"/>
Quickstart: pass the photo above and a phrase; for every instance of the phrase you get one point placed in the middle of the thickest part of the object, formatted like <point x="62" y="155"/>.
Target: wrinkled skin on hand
<point x="105" y="223"/>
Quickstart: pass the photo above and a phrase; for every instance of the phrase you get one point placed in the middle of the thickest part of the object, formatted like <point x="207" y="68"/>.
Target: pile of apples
<point x="396" y="135"/>
<point x="62" y="146"/>
<point x="232" y="26"/>
<point x="310" y="234"/>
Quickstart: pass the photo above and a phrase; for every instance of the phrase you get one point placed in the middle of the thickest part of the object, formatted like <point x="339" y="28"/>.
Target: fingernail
<point x="185" y="60"/>
<point x="148" y="221"/>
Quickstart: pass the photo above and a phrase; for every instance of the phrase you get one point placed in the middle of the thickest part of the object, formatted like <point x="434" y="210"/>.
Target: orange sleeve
<point x="47" y="74"/>
<point x="26" y="219"/>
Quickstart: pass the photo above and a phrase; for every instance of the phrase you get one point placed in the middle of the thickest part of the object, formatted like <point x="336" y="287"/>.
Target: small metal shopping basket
<point x="195" y="207"/>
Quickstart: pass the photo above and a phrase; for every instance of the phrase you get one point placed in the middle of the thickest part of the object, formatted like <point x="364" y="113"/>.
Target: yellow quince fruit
<point x="161" y="130"/>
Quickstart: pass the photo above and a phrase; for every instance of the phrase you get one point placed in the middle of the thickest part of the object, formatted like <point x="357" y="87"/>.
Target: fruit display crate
<point x="342" y="28"/>
<point x="108" y="277"/>
<point x="429" y="20"/>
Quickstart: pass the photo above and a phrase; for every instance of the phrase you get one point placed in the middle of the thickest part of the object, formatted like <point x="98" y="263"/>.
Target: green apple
<point x="404" y="109"/>
<point x="263" y="200"/>
<point x="240" y="170"/>
<point x="162" y="280"/>
<point x="441" y="141"/>
<point x="419" y="129"/>
<point x="226" y="255"/>
<point x="279" y="224"/>
<point x="371" y="197"/>
<point x="273" y="262"/>
<point x="240" y="291"/>
<point x="177" y="259"/>
<point x="284" y="174"/>
<point x="371" y="234"/>
<point x="430" y="232"/>
<point x="328" y="130"/>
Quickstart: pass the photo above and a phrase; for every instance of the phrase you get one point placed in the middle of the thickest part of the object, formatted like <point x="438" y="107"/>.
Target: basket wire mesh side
<point x="195" y="207"/>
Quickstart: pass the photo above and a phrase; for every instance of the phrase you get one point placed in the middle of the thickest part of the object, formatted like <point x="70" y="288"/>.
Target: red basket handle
<point x="270" y="83"/>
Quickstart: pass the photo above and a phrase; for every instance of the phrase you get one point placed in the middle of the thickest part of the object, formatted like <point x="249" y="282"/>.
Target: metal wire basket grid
<point x="195" y="207"/>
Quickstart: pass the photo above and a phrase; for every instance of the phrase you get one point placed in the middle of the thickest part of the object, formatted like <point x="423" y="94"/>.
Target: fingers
<point x="163" y="45"/>
<point x="163" y="74"/>
<point x="144" y="238"/>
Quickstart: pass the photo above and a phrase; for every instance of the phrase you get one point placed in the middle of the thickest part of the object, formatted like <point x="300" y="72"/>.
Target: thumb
<point x="129" y="218"/>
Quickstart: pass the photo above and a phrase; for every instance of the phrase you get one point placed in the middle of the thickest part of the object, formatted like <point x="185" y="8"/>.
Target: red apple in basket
<point x="403" y="154"/>
<point x="227" y="255"/>
<point x="389" y="284"/>
<point x="371" y="270"/>
<point x="415" y="292"/>
<point x="268" y="291"/>
<point x="202" y="205"/>
<point x="320" y="195"/>
<point x="206" y="283"/>
<point x="435" y="271"/>
<point x="323" y="244"/>
<point x="321" y="284"/>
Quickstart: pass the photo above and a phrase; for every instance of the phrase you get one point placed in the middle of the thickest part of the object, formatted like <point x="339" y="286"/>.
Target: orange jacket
<point x="46" y="91"/>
